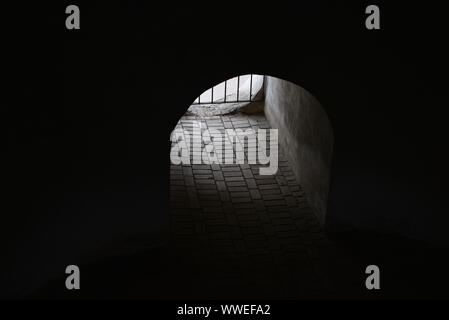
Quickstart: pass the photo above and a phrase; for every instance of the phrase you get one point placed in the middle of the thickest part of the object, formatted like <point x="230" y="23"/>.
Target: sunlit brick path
<point x="246" y="233"/>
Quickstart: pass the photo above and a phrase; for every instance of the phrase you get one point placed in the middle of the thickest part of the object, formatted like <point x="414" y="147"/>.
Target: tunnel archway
<point x="229" y="213"/>
<point x="306" y="134"/>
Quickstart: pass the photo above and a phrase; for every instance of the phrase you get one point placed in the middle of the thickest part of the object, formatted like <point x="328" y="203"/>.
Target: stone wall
<point x="305" y="135"/>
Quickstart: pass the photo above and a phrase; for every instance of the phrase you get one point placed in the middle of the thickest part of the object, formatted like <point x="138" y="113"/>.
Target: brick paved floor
<point x="245" y="233"/>
<point x="238" y="235"/>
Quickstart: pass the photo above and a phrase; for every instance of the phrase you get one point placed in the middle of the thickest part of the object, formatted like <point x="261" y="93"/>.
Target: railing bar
<point x="263" y="85"/>
<point x="212" y="96"/>
<point x="238" y="88"/>
<point x="226" y="83"/>
<point x="250" y="87"/>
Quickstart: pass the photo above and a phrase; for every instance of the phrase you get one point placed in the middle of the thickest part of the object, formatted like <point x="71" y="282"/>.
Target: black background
<point x="92" y="109"/>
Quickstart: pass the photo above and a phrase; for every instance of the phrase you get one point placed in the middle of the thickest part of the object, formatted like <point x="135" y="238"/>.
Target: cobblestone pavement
<point x="246" y="234"/>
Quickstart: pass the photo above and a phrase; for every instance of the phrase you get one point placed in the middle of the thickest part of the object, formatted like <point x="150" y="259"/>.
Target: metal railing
<point x="238" y="95"/>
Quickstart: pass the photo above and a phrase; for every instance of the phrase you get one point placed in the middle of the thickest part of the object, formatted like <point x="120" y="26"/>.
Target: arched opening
<point x="248" y="188"/>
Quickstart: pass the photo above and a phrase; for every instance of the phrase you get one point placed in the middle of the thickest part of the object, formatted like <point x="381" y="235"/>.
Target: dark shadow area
<point x="410" y="269"/>
<point x="86" y="119"/>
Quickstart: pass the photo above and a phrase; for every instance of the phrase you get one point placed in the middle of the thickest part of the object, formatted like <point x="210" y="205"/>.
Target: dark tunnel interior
<point x="87" y="168"/>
